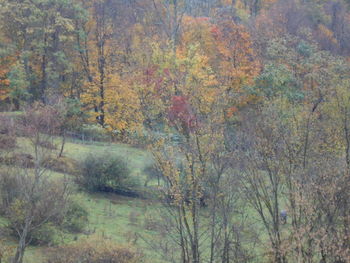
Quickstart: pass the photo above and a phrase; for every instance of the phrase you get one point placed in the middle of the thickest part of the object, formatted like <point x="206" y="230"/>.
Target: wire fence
<point x="106" y="139"/>
<point x="84" y="138"/>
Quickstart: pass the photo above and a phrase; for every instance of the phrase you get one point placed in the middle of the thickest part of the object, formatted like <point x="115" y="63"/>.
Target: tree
<point x="38" y="198"/>
<point x="41" y="34"/>
<point x="170" y="14"/>
<point x="108" y="93"/>
<point x="7" y="60"/>
<point x="71" y="116"/>
<point x="18" y="88"/>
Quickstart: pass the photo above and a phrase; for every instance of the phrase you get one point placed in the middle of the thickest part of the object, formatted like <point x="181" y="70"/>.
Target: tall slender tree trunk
<point x="63" y="143"/>
<point x="22" y="243"/>
<point x="44" y="72"/>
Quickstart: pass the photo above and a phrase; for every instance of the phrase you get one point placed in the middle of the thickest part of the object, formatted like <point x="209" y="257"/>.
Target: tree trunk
<point x="21" y="245"/>
<point x="62" y="145"/>
<point x="43" y="84"/>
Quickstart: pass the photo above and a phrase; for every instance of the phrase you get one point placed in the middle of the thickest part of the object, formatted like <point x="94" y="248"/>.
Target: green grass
<point x="118" y="218"/>
<point x="137" y="159"/>
<point x="110" y="216"/>
<point x="12" y="113"/>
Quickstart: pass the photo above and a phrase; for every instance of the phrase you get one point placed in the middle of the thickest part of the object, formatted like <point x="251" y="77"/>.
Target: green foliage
<point x="76" y="218"/>
<point x="9" y="191"/>
<point x="152" y="173"/>
<point x="45" y="235"/>
<point x="316" y="12"/>
<point x="105" y="173"/>
<point x="94" y="132"/>
<point x="41" y="29"/>
<point x="278" y="80"/>
<point x="63" y="50"/>
<point x="73" y="219"/>
<point x="305" y="49"/>
<point x="18" y="85"/>
<point x="74" y="116"/>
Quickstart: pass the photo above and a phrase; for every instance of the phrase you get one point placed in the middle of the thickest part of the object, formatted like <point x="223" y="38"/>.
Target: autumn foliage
<point x="242" y="105"/>
<point x="181" y="112"/>
<point x="94" y="250"/>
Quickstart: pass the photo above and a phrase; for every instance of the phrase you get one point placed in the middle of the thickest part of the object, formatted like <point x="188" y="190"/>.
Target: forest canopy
<point x="243" y="106"/>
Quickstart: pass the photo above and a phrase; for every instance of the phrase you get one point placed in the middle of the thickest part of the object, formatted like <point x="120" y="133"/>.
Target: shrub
<point x="63" y="165"/>
<point x="106" y="173"/>
<point x="6" y="125"/>
<point x="52" y="210"/>
<point x="6" y="251"/>
<point x="23" y="160"/>
<point x="9" y="191"/>
<point x="152" y="173"/>
<point x="95" y="133"/>
<point x="76" y="218"/>
<point x="94" y="251"/>
<point x="47" y="145"/>
<point x="7" y="142"/>
<point x="44" y="235"/>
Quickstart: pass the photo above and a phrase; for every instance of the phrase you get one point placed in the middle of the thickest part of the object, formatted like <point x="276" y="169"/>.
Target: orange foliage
<point x="6" y="63"/>
<point x="227" y="49"/>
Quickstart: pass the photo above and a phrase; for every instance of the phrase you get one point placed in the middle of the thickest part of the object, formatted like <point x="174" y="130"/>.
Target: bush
<point x="106" y="173"/>
<point x="7" y="133"/>
<point x="9" y="191"/>
<point x="47" y="145"/>
<point x="152" y="173"/>
<point x="95" y="133"/>
<point x="94" y="251"/>
<point x="63" y="165"/>
<point x="6" y="251"/>
<point x="69" y="215"/>
<point x="23" y="160"/>
<point x="44" y="235"/>
<point x="76" y="218"/>
<point x="7" y="142"/>
<point x="6" y="125"/>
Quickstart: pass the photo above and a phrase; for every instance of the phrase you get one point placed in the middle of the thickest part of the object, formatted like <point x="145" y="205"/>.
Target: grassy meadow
<point x="110" y="216"/>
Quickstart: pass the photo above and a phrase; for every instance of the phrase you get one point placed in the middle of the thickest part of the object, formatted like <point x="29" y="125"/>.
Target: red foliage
<point x="181" y="113"/>
<point x="149" y="74"/>
<point x="152" y="78"/>
<point x="216" y="32"/>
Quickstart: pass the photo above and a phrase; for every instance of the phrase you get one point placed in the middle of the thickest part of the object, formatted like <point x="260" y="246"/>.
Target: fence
<point x="84" y="138"/>
<point x="105" y="139"/>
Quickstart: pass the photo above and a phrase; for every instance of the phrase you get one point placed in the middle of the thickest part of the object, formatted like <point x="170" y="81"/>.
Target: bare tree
<point x="34" y="198"/>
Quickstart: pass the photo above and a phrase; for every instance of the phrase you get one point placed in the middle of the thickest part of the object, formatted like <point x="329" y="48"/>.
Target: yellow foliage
<point x="328" y="34"/>
<point x="95" y="250"/>
<point x="122" y="105"/>
<point x="6" y="251"/>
